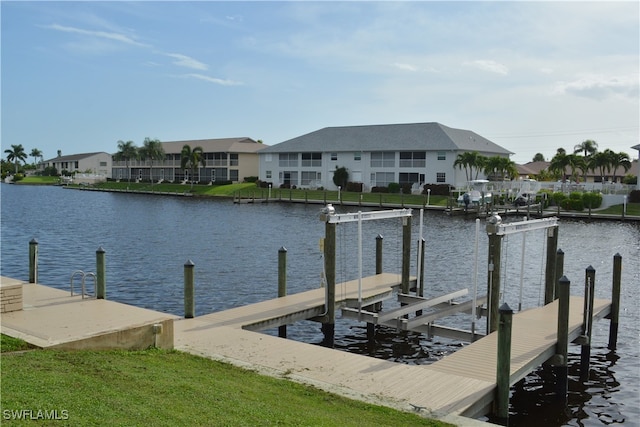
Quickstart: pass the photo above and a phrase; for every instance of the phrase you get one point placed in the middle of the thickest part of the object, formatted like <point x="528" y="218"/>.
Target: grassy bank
<point x="169" y="388"/>
<point x="39" y="180"/>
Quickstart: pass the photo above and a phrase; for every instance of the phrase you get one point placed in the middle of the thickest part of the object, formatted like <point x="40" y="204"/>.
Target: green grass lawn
<point x="39" y="180"/>
<point x="171" y="388"/>
<point x="633" y="209"/>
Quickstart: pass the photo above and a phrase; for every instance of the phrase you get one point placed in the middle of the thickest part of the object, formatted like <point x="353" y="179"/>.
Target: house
<point x="91" y="163"/>
<point x="532" y="169"/>
<point x="637" y="170"/>
<point x="226" y="159"/>
<point x="374" y="155"/>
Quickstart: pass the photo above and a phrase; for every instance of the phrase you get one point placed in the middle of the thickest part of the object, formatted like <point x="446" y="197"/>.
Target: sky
<point x="530" y="76"/>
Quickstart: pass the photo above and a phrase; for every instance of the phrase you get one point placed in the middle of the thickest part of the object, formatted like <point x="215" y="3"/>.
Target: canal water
<point x="234" y="247"/>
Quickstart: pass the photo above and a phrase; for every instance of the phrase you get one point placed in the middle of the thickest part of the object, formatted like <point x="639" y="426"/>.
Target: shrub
<point x="436" y="189"/>
<point x="18" y="177"/>
<point x="379" y="189"/>
<point x="406" y="188"/>
<point x="356" y="187"/>
<point x="558" y="198"/>
<point x="634" y="196"/>
<point x="572" y="204"/>
<point x="575" y="195"/>
<point x="592" y="200"/>
<point x="393" y="187"/>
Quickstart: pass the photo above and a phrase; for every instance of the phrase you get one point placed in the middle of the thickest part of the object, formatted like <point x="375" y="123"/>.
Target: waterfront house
<point x="226" y="159"/>
<point x="374" y="155"/>
<point x="98" y="163"/>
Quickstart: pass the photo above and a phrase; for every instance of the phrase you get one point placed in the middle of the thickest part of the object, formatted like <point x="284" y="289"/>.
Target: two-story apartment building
<point x="375" y="155"/>
<point x="226" y="159"/>
<point x="94" y="163"/>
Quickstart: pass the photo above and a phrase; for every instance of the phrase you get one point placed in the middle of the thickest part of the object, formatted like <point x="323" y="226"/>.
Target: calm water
<point x="235" y="250"/>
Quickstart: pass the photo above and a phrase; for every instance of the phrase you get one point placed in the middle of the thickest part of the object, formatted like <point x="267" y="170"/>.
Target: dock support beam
<point x="560" y="367"/>
<point x="406" y="253"/>
<point x="585" y="353"/>
<point x="615" y="301"/>
<point x="329" y="326"/>
<point x="503" y="372"/>
<point x="33" y="261"/>
<point x="189" y="298"/>
<point x="493" y="280"/>
<point x="420" y="287"/>
<point x="379" y="240"/>
<point x="282" y="283"/>
<point x="559" y="271"/>
<point x="550" y="274"/>
<point x="101" y="272"/>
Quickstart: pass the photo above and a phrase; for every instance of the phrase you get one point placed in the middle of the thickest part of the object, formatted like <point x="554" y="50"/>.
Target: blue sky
<point x="530" y="76"/>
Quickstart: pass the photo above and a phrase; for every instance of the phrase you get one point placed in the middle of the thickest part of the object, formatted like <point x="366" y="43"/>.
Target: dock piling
<point x="560" y="365"/>
<point x="559" y="270"/>
<point x="615" y="301"/>
<point x="493" y="279"/>
<point x="282" y="283"/>
<point x="189" y="297"/>
<point x="504" y="364"/>
<point x="328" y="327"/>
<point x="406" y="253"/>
<point x="550" y="274"/>
<point x="101" y="279"/>
<point x="33" y="261"/>
<point x="379" y="240"/>
<point x="585" y="353"/>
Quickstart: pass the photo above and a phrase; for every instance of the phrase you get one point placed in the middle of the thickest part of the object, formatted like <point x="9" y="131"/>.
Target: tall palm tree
<point x="127" y="151"/>
<point x="152" y="150"/>
<point x="191" y="158"/>
<point x="559" y="163"/>
<point x="586" y="147"/>
<point x="468" y="161"/>
<point x="500" y="167"/>
<point x="599" y="162"/>
<point x="16" y="154"/>
<point x="35" y="153"/>
<point x="539" y="157"/>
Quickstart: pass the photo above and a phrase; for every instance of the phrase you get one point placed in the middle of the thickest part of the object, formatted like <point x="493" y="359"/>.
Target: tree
<point x="152" y="150"/>
<point x="341" y="177"/>
<point x="35" y="153"/>
<point x="599" y="162"/>
<point x="617" y="160"/>
<point x="469" y="161"/>
<point x="559" y="163"/>
<point x="500" y="167"/>
<point x="127" y="151"/>
<point x="538" y="158"/>
<point x="587" y="147"/>
<point x="16" y="154"/>
<point x="192" y="158"/>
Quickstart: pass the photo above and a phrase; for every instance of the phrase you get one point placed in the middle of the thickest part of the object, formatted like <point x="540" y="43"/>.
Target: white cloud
<point x="118" y="37"/>
<point x="488" y="65"/>
<point x="221" y="82"/>
<point x="187" y="61"/>
<point x="406" y="67"/>
<point x="600" y="87"/>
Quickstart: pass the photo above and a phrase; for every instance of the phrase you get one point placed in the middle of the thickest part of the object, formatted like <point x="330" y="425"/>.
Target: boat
<point x="478" y="193"/>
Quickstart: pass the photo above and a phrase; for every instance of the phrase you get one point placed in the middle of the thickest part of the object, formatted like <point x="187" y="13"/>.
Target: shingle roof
<point x="219" y="145"/>
<point x="392" y="137"/>
<point x="74" y="157"/>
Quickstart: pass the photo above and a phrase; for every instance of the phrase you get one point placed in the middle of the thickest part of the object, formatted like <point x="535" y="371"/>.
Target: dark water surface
<point x="235" y="251"/>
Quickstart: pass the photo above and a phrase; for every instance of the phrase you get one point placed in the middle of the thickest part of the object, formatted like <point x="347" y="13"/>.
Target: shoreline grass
<point x="168" y="388"/>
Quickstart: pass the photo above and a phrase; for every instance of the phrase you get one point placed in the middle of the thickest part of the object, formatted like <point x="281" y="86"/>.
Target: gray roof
<point x="636" y="147"/>
<point x="393" y="137"/>
<point x="218" y="145"/>
<point x="75" y="157"/>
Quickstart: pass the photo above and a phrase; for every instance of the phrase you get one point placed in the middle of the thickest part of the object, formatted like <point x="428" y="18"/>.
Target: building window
<point x="233" y="159"/>
<point x="267" y="157"/>
<point x="311" y="159"/>
<point x="216" y="159"/>
<point x="103" y="164"/>
<point x="289" y="178"/>
<point x="382" y="179"/>
<point x="442" y="155"/>
<point x="413" y="159"/>
<point x="441" y="177"/>
<point x="334" y="156"/>
<point x="233" y="175"/>
<point x="357" y="156"/>
<point x="288" y="159"/>
<point x="268" y="174"/>
<point x="76" y="165"/>
<point x="310" y="178"/>
<point x="408" y="178"/>
<point x="383" y="159"/>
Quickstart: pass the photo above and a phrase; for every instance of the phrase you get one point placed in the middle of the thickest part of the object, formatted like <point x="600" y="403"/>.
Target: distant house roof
<point x="220" y="145"/>
<point x="636" y="147"/>
<point x="532" y="168"/>
<point x="393" y="137"/>
<point x="75" y="157"/>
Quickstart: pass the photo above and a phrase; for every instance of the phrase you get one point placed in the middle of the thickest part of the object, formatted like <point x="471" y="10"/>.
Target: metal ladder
<point x="83" y="289"/>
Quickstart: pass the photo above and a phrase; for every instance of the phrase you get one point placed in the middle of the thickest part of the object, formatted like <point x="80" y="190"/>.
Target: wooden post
<point x="329" y="326"/>
<point x="559" y="270"/>
<point x="189" y="298"/>
<point x="379" y="240"/>
<point x="406" y="253"/>
<point x="503" y="372"/>
<point x="101" y="279"/>
<point x="33" y="261"/>
<point x="562" y="347"/>
<point x="282" y="283"/>
<point x="615" y="301"/>
<point x="493" y="280"/>
<point x="421" y="261"/>
<point x="585" y="353"/>
<point x="550" y="274"/>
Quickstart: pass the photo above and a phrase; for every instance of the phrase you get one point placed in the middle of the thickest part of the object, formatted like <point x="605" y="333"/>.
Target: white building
<point x="91" y="163"/>
<point x="375" y="155"/>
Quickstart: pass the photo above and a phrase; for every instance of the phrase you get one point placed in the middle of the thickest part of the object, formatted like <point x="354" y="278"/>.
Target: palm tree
<point x="599" y="162"/>
<point x="587" y="147"/>
<point x="152" y="150"/>
<point x="127" y="151"/>
<point x="500" y="167"/>
<point x="539" y="157"/>
<point x="559" y="163"/>
<point x="617" y="160"/>
<point x="191" y="158"/>
<point x="35" y="153"/>
<point x="468" y="161"/>
<point x="16" y="154"/>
